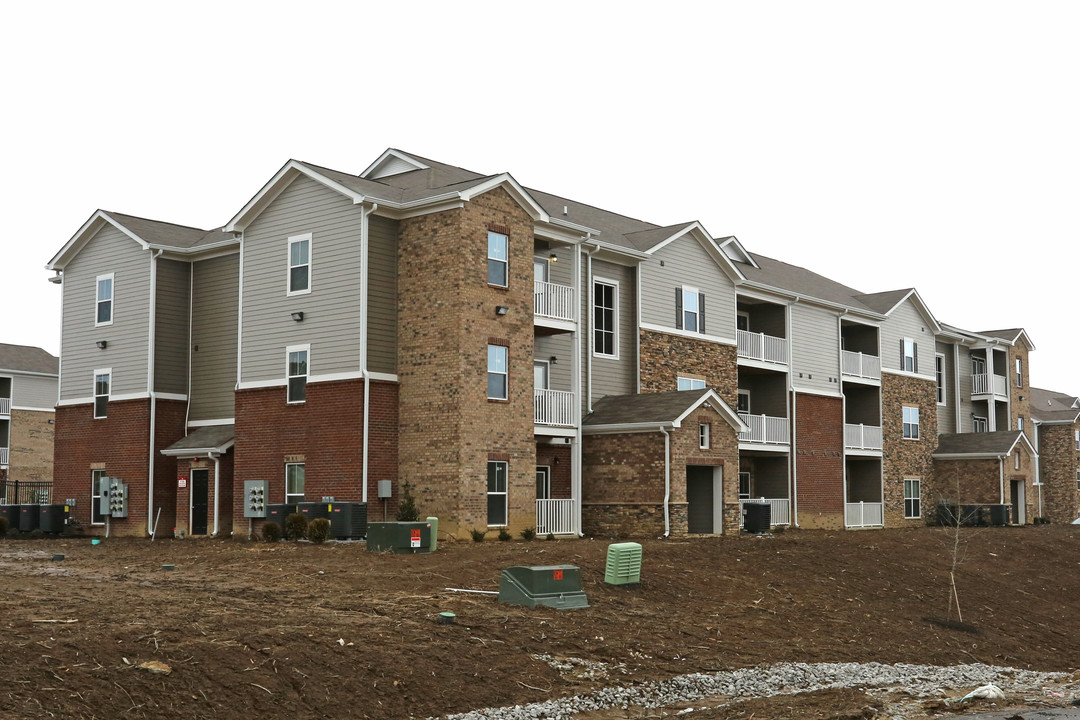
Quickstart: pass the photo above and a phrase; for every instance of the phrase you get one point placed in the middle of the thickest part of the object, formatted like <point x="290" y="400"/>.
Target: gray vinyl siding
<point x="30" y="391"/>
<point x="768" y="393"/>
<point x="907" y="322"/>
<point x="963" y="368"/>
<point x="128" y="336"/>
<point x="561" y="272"/>
<point x="331" y="310"/>
<point x="171" y="327"/>
<point x="686" y="262"/>
<point x="815" y="348"/>
<point x="382" y="294"/>
<point x="561" y="346"/>
<point x="613" y="376"/>
<point x="946" y="414"/>
<point x="213" y="332"/>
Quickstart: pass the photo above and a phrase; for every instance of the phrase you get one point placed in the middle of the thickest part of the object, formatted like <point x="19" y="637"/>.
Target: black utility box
<point x="29" y="517"/>
<point x="1001" y="514"/>
<point x="52" y="518"/>
<point x="11" y="512"/>
<point x="758" y="517"/>
<point x="348" y="520"/>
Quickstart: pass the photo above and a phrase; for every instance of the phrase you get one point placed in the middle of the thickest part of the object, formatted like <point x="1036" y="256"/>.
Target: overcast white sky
<point x="926" y="144"/>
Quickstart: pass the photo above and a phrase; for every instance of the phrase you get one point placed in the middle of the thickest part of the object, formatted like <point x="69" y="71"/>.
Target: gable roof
<point x="203" y="440"/>
<point x="980" y="445"/>
<point x="884" y="302"/>
<point x="1051" y="407"/>
<point x="651" y="411"/>
<point x="1012" y="335"/>
<point x="28" y="359"/>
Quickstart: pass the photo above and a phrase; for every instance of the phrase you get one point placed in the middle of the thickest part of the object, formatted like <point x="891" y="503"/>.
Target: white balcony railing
<point x="553" y="407"/>
<point x="5" y="406"/>
<point x="779" y="512"/>
<point x="3" y="456"/>
<point x="759" y="346"/>
<point x="864" y="514"/>
<point x="857" y="364"/>
<point x="552" y="300"/>
<point x="987" y="383"/>
<point x="555" y="517"/>
<point x="862" y="437"/>
<point x="765" y="430"/>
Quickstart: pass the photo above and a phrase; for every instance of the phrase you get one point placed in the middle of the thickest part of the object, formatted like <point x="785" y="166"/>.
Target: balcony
<point x="553" y="407"/>
<point x="989" y="384"/>
<point x="762" y="347"/>
<point x="857" y="364"/>
<point x="779" y="509"/>
<point x="864" y="514"/>
<point x="555" y="517"/>
<point x="5" y="406"/>
<point x="3" y="456"/>
<point x="862" y="437"/>
<point x="553" y="301"/>
<point x="765" y="430"/>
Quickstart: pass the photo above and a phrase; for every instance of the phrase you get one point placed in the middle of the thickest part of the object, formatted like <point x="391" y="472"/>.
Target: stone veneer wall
<point x="819" y="460"/>
<point x="664" y="357"/>
<point x="905" y="458"/>
<point x="448" y="430"/>
<point x="30" y="446"/>
<point x="1059" y="462"/>
<point x="1019" y="408"/>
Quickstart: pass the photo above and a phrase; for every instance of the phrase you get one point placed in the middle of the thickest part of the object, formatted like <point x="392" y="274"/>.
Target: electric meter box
<point x="104" y="483"/>
<point x="118" y="499"/>
<point x="255" y="499"/>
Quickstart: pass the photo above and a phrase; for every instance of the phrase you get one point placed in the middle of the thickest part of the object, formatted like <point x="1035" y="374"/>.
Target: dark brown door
<point x="200" y="491"/>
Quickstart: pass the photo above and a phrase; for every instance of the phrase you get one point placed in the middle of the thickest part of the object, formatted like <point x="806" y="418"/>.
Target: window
<point x="496" y="492"/>
<point x="1020" y="423"/>
<point x="911" y="422"/>
<point x="909" y="355"/>
<point x="939" y="370"/>
<point x="497" y="372"/>
<point x="703" y="436"/>
<point x="297" y="372"/>
<point x="744" y="486"/>
<point x="689" y="309"/>
<point x="498" y="253"/>
<point x="96" y="518"/>
<point x="606" y="318"/>
<point x="1016" y="460"/>
<point x="103" y="313"/>
<point x="1076" y="437"/>
<point x="1019" y="372"/>
<point x="1078" y="480"/>
<point x="294" y="483"/>
<point x="744" y="401"/>
<point x="300" y="264"/>
<point x="912" y="498"/>
<point x="978" y="424"/>
<point x="102" y="387"/>
<point x="543" y="482"/>
<point x="686" y="383"/>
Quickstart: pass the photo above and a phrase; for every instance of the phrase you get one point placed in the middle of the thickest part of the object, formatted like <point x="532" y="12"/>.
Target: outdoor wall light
<point x="502" y="309"/>
<point x="554" y="258"/>
<point x="298" y="316"/>
<point x="102" y="344"/>
<point x="554" y="360"/>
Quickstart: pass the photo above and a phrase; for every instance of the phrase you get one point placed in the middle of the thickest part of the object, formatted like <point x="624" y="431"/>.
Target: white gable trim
<point x="731" y="245"/>
<point x="276" y="185"/>
<point x="717" y="404"/>
<point x="519" y="193"/>
<point x="374" y="170"/>
<point x="699" y="233"/>
<point x="89" y="229"/>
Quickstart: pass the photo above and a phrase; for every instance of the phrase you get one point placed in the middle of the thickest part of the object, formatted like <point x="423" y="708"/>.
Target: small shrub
<point x="3" y="525"/>
<point x="1042" y="521"/>
<point x="407" y="510"/>
<point x="528" y="534"/>
<point x="37" y="534"/>
<point x="478" y="535"/>
<point x="551" y="536"/>
<point x="318" y="530"/>
<point x="271" y="532"/>
<point x="504" y="534"/>
<point x="13" y="534"/>
<point x="296" y="526"/>
<point x="779" y="529"/>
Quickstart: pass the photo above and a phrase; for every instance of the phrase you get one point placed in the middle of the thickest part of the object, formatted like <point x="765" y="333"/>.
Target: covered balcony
<point x="3" y="456"/>
<point x="763" y="478"/>
<point x="760" y="330"/>
<point x="553" y="407"/>
<point x="553" y="301"/>
<point x="859" y="354"/>
<point x="765" y="430"/>
<point x="762" y="347"/>
<point x="779" y="509"/>
<point x="989" y="384"/>
<point x="859" y="365"/>
<point x="863" y="507"/>
<point x="555" y="517"/>
<point x="5" y="406"/>
<point x="862" y="437"/>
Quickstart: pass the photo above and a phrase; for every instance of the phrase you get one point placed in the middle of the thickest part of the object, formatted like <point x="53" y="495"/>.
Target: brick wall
<point x="665" y="357"/>
<point x="558" y="458"/>
<point x="446" y="319"/>
<point x="31" y="446"/>
<point x="905" y="458"/>
<point x="184" y="466"/>
<point x="1059" y="463"/>
<point x="819" y="460"/>
<point x="1018" y="407"/>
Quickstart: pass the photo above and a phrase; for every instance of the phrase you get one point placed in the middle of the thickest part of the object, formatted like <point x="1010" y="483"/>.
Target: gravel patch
<point x="921" y="681"/>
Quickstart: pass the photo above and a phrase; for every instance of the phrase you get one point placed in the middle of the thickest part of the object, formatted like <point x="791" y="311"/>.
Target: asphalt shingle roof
<point x="28" y="359"/>
<point x="1050" y="406"/>
<point x="211" y="437"/>
<point x="644" y="408"/>
<point x="988" y="443"/>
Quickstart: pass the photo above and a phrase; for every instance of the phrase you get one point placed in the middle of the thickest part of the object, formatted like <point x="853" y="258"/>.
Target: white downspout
<point x="240" y="316"/>
<point x="1001" y="473"/>
<point x="1036" y="464"/>
<point x="364" y="213"/>
<point x="667" y="480"/>
<point x="588" y="315"/>
<point x="843" y="417"/>
<point x="792" y="399"/>
<point x="217" y="487"/>
<point x="150" y="389"/>
<point x="191" y="302"/>
<point x="575" y="454"/>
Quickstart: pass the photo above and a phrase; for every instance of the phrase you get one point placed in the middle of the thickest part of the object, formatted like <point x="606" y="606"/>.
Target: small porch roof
<point x="203" y="441"/>
<point x="644" y="412"/>
<point x="981" y="446"/>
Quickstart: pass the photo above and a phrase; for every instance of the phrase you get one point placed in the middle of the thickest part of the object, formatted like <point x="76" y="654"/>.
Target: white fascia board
<point x="968" y="456"/>
<point x="615" y="250"/>
<point x="210" y="423"/>
<point x="396" y="212"/>
<point x="185" y="452"/>
<point x="582" y="230"/>
<point x="813" y="391"/>
<point x="391" y="153"/>
<point x="732" y="240"/>
<point x="203" y="252"/>
<point x="32" y="409"/>
<point x="699" y="233"/>
<point x="550" y="231"/>
<point x="619" y="428"/>
<point x="5" y="371"/>
<point x="1031" y="449"/>
<point x="519" y="193"/>
<point x="274" y="187"/>
<point x="84" y="234"/>
<point x="924" y="309"/>
<point x="794" y="297"/>
<point x="721" y="407"/>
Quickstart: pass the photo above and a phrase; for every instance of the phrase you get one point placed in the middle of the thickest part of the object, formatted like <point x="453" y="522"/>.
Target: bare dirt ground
<point x="333" y="631"/>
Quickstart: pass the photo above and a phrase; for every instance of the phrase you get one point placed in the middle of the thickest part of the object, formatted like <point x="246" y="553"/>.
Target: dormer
<point x="392" y="162"/>
<point x="734" y="250"/>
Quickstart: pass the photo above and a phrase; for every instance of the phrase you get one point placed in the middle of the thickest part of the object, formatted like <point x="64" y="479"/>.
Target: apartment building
<point x="1056" y="420"/>
<point x="519" y="359"/>
<point x="28" y="379"/>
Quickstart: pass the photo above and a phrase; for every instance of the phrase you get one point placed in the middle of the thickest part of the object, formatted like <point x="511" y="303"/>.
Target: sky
<point x="933" y="145"/>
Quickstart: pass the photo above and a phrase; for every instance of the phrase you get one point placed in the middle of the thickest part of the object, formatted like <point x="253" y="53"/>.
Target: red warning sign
<point x="415" y="540"/>
<point x="558" y="574"/>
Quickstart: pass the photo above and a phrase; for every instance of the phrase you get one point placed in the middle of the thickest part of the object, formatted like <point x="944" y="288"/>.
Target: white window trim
<point x="615" y="334"/>
<point x="1019" y="372"/>
<point x="696" y="310"/>
<point x="112" y="299"/>
<point x="690" y="380"/>
<point x="505" y="493"/>
<point x="940" y="389"/>
<point x="914" y="356"/>
<point x="1078" y="479"/>
<point x="744" y="314"/>
<point x="489" y="371"/>
<point x="704" y="436"/>
<point x="93" y="392"/>
<point x="985" y="423"/>
<point x="505" y="262"/>
<point x="95" y="498"/>
<point x="289" y="292"/>
<point x="740" y="394"/>
<point x="546" y="263"/>
<point x="746" y="495"/>
<point x="287" y="495"/>
<point x="906" y="498"/>
<point x="547" y="478"/>
<point x="1016" y="460"/>
<point x="1076" y="438"/>
<point x="917" y="423"/>
<point x="537" y="362"/>
<point x="306" y="348"/>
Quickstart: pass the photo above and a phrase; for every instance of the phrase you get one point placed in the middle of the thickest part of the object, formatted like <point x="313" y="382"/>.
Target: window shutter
<point x="903" y="365"/>
<point x="701" y="312"/>
<point x="678" y="308"/>
<point x="915" y="357"/>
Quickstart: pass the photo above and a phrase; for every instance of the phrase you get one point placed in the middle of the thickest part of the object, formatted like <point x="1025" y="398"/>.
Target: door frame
<point x="717" y="497"/>
<point x="546" y="469"/>
<point x="191" y="499"/>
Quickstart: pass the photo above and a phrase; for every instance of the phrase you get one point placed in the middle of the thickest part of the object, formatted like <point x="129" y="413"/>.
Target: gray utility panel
<point x="255" y="505"/>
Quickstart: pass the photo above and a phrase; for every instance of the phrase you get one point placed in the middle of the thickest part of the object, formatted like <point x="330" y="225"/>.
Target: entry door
<point x="543" y="482"/>
<point x="704" y="494"/>
<point x="540" y="375"/>
<point x="540" y="270"/>
<point x="200" y="490"/>
<point x="1016" y="492"/>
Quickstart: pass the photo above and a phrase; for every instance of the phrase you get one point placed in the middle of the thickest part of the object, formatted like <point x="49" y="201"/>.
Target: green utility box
<point x="399" y="537"/>
<point x="623" y="564"/>
<point x="556" y="586"/>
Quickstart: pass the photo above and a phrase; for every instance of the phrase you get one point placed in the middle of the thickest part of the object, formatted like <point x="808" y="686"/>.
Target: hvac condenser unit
<point x="28" y="517"/>
<point x="52" y="518"/>
<point x="348" y="520"/>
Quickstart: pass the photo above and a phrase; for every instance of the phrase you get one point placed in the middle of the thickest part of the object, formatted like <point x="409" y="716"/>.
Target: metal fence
<point x="14" y="492"/>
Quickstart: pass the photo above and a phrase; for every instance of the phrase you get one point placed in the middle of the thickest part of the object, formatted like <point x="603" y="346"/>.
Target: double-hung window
<point x="704" y="430"/>
<point x="498" y="372"/>
<point x="1076" y="438"/>
<point x="939" y="372"/>
<point x="909" y="355"/>
<point x="606" y="318"/>
<point x="978" y="424"/>
<point x="1078" y="480"/>
<point x="103" y="306"/>
<point x="912" y="498"/>
<point x="296" y="370"/>
<point x="1019" y="372"/>
<point x="496" y="492"/>
<point x="498" y="259"/>
<point x="911" y="422"/>
<point x="689" y="309"/>
<point x="294" y="483"/>
<point x="96" y="518"/>
<point x="300" y="264"/>
<point x="686" y="383"/>
<point x="102" y="390"/>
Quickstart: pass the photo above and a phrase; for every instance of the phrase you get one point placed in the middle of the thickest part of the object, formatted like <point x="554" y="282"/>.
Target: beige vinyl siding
<point x="382" y="294"/>
<point x="171" y="332"/>
<point x="331" y="310"/>
<point x="109" y="251"/>
<point x="213" y="332"/>
<point x="946" y="414"/>
<point x="815" y="349"/>
<point x="560" y="376"/>
<point x="963" y="374"/>
<point x="561" y="272"/>
<point x="31" y="391"/>
<point x="686" y="262"/>
<point x="907" y="322"/>
<point x="613" y="376"/>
